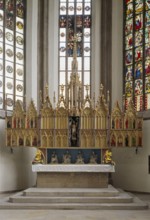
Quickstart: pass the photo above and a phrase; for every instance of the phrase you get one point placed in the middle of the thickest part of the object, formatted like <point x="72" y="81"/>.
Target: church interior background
<point x="83" y="118"/>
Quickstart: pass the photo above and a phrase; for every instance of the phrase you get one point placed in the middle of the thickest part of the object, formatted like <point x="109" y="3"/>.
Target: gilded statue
<point x="39" y="157"/>
<point x="107" y="159"/>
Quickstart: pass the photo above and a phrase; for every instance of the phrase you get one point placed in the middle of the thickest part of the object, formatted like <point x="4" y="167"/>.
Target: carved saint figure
<point x="74" y="131"/>
<point x="67" y="158"/>
<point x="54" y="159"/>
<point x="93" y="158"/>
<point x="80" y="159"/>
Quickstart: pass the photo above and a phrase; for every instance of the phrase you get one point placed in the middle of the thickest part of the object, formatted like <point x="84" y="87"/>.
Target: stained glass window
<point x="74" y="20"/>
<point x="12" y="32"/>
<point x="137" y="53"/>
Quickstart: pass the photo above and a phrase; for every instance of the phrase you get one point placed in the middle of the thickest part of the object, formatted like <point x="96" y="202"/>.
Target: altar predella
<point x="76" y="123"/>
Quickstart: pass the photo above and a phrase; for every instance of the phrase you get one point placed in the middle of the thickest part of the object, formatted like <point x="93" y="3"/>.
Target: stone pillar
<point x="42" y="44"/>
<point x="106" y="44"/>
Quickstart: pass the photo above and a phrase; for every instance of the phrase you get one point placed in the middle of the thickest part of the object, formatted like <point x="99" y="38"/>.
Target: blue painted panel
<point x="86" y="153"/>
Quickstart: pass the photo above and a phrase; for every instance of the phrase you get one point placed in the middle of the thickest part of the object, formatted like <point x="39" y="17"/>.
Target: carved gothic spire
<point x="74" y="61"/>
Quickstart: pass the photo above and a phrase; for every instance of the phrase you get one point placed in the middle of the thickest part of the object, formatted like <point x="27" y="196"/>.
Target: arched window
<point x="137" y="53"/>
<point x="74" y="19"/>
<point x="12" y="38"/>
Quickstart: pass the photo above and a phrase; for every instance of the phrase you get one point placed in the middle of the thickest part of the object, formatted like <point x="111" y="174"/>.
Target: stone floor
<point x="76" y="215"/>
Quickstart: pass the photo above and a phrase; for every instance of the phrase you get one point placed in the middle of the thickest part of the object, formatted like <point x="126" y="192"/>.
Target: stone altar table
<point x="72" y="175"/>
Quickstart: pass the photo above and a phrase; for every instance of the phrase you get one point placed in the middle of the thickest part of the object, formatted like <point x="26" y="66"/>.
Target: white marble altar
<point x="73" y="168"/>
<point x="73" y="175"/>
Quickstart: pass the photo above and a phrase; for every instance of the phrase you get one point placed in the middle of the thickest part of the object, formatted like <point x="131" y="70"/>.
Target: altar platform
<point x="72" y="175"/>
<point x="73" y="199"/>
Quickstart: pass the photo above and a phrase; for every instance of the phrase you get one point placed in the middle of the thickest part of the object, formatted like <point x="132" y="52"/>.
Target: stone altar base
<point x="72" y="180"/>
<point x="72" y="175"/>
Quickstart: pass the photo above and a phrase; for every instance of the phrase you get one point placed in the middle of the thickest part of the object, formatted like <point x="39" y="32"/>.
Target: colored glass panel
<point x="1" y="4"/>
<point x="74" y="20"/>
<point x="20" y="8"/>
<point x="12" y="16"/>
<point x="147" y="101"/>
<point x="129" y="10"/>
<point x="9" y="14"/>
<point x="129" y="26"/>
<point x="129" y="73"/>
<point x="138" y="70"/>
<point x="147" y="67"/>
<point x="138" y="6"/>
<point x="138" y="22"/>
<point x="147" y="4"/>
<point x="147" y="85"/>
<point x="138" y="38"/>
<point x="137" y="53"/>
<point x="138" y="87"/>
<point x="128" y="57"/>
<point x="129" y="89"/>
<point x="129" y="41"/>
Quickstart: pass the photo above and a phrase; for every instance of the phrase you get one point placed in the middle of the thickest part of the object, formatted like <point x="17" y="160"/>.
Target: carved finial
<point x="54" y="98"/>
<point x="75" y="39"/>
<point x="40" y="96"/>
<point x="62" y="89"/>
<point x="123" y="102"/>
<point x="101" y="89"/>
<point x="94" y="99"/>
<point x="25" y="102"/>
<point x="87" y="90"/>
<point x="74" y="62"/>
<point x="46" y="90"/>
<point x="108" y="97"/>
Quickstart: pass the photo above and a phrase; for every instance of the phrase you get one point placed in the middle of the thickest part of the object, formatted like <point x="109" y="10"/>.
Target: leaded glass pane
<point x="129" y="11"/>
<point x="147" y="67"/>
<point x="129" y="57"/>
<point x="138" y="6"/>
<point x="87" y="8"/>
<point x="1" y="17"/>
<point x="137" y="53"/>
<point x="62" y="78"/>
<point x="1" y="83"/>
<point x="20" y="8"/>
<point x="129" y="41"/>
<point x="9" y="71"/>
<point x="12" y="16"/>
<point x="87" y="78"/>
<point x="147" y="101"/>
<point x="63" y="8"/>
<point x="138" y="70"/>
<point x="129" y="73"/>
<point x="129" y="26"/>
<point x="74" y="20"/>
<point x="147" y="4"/>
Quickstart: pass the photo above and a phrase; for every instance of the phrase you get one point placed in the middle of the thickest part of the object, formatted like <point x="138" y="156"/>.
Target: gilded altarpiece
<point x="77" y="127"/>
